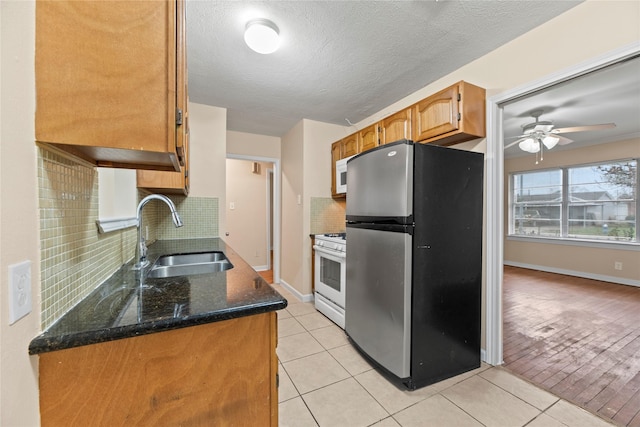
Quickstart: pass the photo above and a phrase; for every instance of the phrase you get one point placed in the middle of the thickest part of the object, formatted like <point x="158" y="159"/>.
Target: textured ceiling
<point x="340" y="60"/>
<point x="608" y="95"/>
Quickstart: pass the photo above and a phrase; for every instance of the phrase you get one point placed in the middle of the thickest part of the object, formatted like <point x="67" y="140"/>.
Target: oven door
<point x="330" y="275"/>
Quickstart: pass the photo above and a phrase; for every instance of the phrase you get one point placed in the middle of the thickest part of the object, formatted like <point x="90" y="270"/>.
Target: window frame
<point x="563" y="236"/>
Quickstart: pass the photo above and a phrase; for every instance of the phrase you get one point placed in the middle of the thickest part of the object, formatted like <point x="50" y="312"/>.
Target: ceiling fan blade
<point x="518" y="141"/>
<point x="563" y="139"/>
<point x="517" y="136"/>
<point x="584" y="128"/>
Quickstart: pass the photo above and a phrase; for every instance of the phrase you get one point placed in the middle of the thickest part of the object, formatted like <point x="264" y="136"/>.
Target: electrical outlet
<point x="617" y="265"/>
<point x="19" y="291"/>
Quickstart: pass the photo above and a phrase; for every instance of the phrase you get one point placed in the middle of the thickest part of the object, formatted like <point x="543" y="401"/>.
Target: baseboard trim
<point x="603" y="278"/>
<point x="296" y="293"/>
<point x="260" y="267"/>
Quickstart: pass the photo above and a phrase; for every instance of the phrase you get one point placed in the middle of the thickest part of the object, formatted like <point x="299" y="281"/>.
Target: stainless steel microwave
<point x="341" y="175"/>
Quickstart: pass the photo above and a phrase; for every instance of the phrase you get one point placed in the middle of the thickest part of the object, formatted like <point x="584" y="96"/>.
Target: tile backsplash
<point x="327" y="215"/>
<point x="199" y="216"/>
<point x="74" y="257"/>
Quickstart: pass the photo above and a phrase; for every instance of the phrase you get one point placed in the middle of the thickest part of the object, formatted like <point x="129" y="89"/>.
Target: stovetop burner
<point x="338" y="235"/>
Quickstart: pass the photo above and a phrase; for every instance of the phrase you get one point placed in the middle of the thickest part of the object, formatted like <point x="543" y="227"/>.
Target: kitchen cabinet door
<point x="396" y="127"/>
<point x="350" y="146"/>
<point x="165" y="181"/>
<point x="220" y="373"/>
<point x="108" y="81"/>
<point x="168" y="181"/>
<point x="453" y="115"/>
<point x="369" y="138"/>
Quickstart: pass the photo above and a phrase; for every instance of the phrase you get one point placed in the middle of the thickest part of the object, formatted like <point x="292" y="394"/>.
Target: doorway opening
<point x="495" y="202"/>
<point x="580" y="367"/>
<point x="253" y="212"/>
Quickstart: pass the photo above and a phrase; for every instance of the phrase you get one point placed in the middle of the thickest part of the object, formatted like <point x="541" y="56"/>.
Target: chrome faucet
<point x="141" y="247"/>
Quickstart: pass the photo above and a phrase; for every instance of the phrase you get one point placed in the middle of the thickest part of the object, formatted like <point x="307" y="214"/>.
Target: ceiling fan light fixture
<point x="550" y="141"/>
<point x="262" y="36"/>
<point x="529" y="145"/>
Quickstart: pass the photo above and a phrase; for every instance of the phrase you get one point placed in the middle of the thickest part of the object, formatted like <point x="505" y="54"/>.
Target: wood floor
<point x="267" y="275"/>
<point x="577" y="338"/>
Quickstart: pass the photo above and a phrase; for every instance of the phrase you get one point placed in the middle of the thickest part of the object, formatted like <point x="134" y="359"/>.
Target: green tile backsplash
<point x="327" y="215"/>
<point x="74" y="257"/>
<point x="199" y="216"/>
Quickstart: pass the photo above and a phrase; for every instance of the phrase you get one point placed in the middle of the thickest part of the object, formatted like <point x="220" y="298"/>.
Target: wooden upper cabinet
<point x="182" y="93"/>
<point x="350" y="146"/>
<point x="453" y="115"/>
<point x="169" y="181"/>
<point x="396" y="127"/>
<point x="108" y="83"/>
<point x="368" y="138"/>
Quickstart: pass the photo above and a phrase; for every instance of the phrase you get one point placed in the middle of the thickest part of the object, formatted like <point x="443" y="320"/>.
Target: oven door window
<point x="330" y="273"/>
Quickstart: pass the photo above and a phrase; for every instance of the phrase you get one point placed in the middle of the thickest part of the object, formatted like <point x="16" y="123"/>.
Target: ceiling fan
<point x="542" y="133"/>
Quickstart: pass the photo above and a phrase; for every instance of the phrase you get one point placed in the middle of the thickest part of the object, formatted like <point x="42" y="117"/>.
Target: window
<point x="592" y="202"/>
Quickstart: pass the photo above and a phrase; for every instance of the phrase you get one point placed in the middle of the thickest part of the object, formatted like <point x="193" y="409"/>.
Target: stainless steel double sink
<point x="189" y="264"/>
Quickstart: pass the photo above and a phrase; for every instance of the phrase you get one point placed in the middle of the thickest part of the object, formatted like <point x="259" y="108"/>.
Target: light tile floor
<point x="325" y="382"/>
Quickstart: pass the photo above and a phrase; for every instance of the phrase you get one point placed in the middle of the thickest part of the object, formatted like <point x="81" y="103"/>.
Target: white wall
<point x="306" y="168"/>
<point x="250" y="144"/>
<point x="19" y="238"/>
<point x="118" y="194"/>
<point x="247" y="221"/>
<point x="291" y="272"/>
<point x="207" y="157"/>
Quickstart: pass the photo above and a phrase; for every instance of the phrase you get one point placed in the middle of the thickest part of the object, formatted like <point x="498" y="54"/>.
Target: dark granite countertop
<point x="125" y="306"/>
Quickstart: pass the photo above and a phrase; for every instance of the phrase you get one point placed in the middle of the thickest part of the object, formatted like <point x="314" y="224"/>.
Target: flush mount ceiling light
<point x="262" y="36"/>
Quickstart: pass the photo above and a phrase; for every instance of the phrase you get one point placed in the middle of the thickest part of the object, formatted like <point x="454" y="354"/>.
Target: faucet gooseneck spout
<point x="141" y="247"/>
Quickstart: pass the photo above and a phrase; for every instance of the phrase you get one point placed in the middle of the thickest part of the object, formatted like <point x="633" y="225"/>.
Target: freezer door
<point x="378" y="296"/>
<point x="380" y="182"/>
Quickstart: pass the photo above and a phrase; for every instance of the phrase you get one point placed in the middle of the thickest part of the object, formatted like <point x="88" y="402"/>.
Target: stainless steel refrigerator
<point x="414" y="264"/>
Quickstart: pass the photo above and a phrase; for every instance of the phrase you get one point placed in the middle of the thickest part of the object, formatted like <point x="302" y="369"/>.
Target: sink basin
<point x="189" y="264"/>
